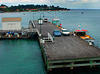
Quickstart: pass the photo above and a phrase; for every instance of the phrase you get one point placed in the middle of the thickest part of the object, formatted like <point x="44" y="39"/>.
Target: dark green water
<point x="20" y="57"/>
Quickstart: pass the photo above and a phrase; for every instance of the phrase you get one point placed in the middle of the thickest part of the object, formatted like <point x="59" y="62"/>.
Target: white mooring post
<point x="90" y="43"/>
<point x="42" y="41"/>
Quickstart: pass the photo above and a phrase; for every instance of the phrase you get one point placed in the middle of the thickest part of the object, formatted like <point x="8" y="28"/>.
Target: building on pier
<point x="11" y="23"/>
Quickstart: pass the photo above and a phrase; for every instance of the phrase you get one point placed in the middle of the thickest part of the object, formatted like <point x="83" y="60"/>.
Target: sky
<point x="71" y="4"/>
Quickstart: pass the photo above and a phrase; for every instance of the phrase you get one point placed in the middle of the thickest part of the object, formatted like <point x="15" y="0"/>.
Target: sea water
<point x="24" y="56"/>
<point x="20" y="57"/>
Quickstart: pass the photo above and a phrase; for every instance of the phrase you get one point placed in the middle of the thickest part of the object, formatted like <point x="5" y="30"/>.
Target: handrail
<point x="50" y="37"/>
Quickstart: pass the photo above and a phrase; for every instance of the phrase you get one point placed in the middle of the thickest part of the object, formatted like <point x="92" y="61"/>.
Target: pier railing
<point x="31" y="24"/>
<point x="30" y="30"/>
<point x="50" y="37"/>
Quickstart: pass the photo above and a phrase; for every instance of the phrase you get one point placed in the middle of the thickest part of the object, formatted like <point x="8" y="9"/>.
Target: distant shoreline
<point x="33" y="11"/>
<point x="84" y="9"/>
<point x="31" y="7"/>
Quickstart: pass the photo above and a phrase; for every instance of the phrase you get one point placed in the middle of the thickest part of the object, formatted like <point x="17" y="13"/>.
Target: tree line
<point x="21" y="8"/>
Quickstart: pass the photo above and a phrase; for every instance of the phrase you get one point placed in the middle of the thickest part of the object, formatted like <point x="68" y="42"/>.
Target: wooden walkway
<point x="67" y="48"/>
<point x="70" y="48"/>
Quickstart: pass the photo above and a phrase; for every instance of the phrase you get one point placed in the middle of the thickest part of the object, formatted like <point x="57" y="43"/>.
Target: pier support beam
<point x="72" y="66"/>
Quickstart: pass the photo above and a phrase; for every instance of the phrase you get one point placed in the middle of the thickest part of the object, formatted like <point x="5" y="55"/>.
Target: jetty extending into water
<point x="65" y="51"/>
<point x="59" y="52"/>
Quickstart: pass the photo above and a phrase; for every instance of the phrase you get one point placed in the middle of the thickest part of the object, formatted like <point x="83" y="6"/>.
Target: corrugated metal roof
<point x="11" y="19"/>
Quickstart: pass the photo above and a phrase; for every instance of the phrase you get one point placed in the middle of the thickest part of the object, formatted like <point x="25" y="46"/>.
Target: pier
<point x="17" y="34"/>
<point x="65" y="51"/>
<point x="11" y="29"/>
<point x="58" y="52"/>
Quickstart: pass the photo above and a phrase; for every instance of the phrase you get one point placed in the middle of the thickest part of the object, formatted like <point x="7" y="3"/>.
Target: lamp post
<point x="40" y="21"/>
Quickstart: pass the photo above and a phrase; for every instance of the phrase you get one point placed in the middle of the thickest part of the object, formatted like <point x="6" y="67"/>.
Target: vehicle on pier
<point x="65" y="32"/>
<point x="45" y="20"/>
<point x="56" y="33"/>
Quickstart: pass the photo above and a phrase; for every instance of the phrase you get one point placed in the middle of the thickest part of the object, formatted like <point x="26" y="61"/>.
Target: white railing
<point x="33" y="24"/>
<point x="30" y="30"/>
<point x="50" y="37"/>
<point x="38" y="32"/>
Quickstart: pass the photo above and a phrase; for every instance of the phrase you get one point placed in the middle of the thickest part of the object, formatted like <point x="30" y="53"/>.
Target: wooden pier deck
<point x="66" y="51"/>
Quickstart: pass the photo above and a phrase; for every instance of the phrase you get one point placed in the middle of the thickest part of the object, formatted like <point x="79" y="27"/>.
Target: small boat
<point x="57" y="23"/>
<point x="55" y="20"/>
<point x="82" y="12"/>
<point x="82" y="34"/>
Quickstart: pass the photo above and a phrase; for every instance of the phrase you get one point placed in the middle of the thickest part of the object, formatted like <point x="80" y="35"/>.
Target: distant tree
<point x="30" y="6"/>
<point x="3" y="5"/>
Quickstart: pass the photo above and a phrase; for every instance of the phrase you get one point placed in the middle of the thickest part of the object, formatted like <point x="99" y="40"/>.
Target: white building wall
<point x="11" y="25"/>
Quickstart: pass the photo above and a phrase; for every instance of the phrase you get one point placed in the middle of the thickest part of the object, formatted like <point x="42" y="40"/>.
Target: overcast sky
<point x="71" y="4"/>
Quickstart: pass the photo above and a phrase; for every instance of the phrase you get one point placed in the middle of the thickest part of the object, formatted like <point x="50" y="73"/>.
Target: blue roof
<point x="56" y="30"/>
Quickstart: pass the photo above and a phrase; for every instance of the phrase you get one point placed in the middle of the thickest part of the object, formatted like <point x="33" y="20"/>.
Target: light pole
<point x="40" y="21"/>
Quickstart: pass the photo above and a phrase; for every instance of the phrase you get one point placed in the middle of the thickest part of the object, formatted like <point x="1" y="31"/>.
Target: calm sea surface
<point x="24" y="56"/>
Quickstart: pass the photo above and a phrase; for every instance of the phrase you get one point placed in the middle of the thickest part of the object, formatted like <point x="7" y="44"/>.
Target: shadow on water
<point x="77" y="70"/>
<point x="34" y="36"/>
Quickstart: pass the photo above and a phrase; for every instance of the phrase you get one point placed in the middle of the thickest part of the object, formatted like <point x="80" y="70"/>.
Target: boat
<point x="82" y="33"/>
<point x="82" y="13"/>
<point x="56" y="22"/>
